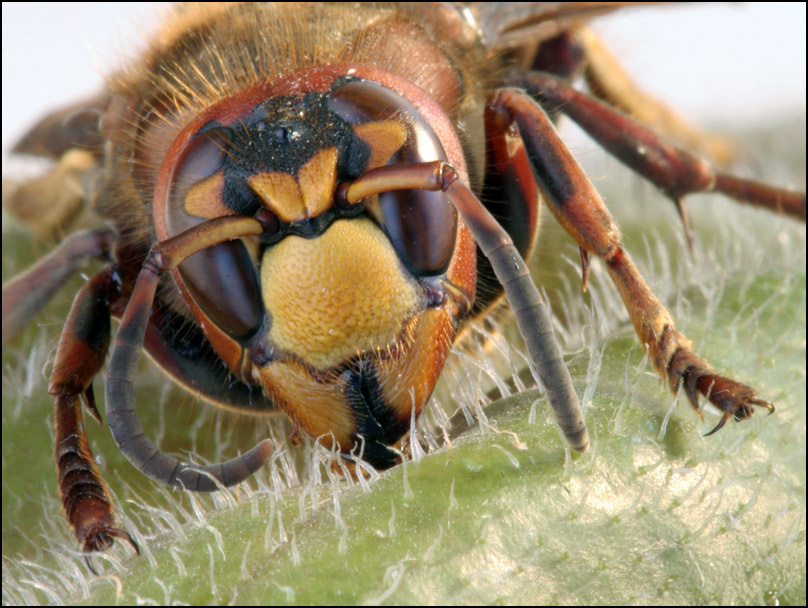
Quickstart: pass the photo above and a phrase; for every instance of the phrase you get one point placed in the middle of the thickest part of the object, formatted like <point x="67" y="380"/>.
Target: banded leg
<point x="120" y="397"/>
<point x="579" y="209"/>
<point x="86" y="501"/>
<point x="532" y="314"/>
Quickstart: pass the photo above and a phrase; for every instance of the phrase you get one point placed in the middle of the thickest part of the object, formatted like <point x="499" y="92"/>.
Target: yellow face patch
<point x="336" y="295"/>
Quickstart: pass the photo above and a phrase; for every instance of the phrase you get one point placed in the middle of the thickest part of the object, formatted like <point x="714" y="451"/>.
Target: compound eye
<point x="421" y="225"/>
<point x="203" y="157"/>
<point x="221" y="279"/>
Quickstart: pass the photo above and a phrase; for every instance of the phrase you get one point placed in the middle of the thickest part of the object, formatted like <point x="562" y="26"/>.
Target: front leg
<point x="579" y="209"/>
<point x="83" y="345"/>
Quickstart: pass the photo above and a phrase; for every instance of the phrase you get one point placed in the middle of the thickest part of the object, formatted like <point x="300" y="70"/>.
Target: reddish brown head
<point x="340" y="312"/>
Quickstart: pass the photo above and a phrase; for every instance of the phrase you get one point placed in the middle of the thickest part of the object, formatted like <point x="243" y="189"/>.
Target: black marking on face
<point x="376" y="422"/>
<point x="282" y="135"/>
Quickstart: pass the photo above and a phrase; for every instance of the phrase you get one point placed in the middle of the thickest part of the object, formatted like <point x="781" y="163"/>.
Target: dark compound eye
<point x="195" y="191"/>
<point x="422" y="225"/>
<point x="222" y="279"/>
<point x="204" y="157"/>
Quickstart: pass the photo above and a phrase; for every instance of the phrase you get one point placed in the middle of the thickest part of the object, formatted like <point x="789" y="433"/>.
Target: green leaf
<point x="653" y="513"/>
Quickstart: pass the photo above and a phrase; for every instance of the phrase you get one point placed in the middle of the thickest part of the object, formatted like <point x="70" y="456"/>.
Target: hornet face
<point x="343" y="313"/>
